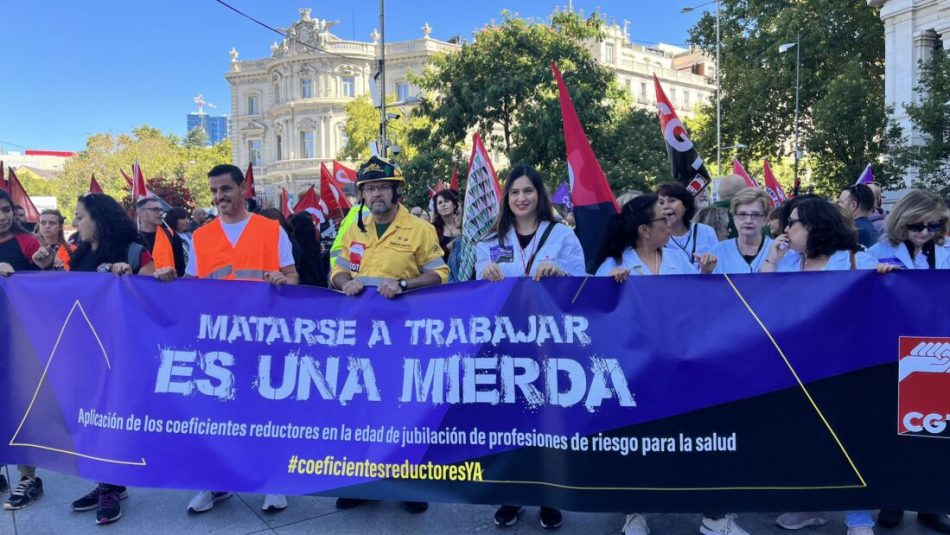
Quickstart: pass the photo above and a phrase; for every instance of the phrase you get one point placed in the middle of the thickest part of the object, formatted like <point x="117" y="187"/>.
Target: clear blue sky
<point x="72" y="68"/>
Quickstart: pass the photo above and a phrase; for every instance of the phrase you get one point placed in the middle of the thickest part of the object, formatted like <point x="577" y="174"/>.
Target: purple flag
<point x="563" y="196"/>
<point x="867" y="176"/>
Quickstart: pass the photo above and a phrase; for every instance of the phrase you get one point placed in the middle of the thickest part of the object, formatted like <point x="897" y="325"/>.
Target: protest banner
<point x="573" y="392"/>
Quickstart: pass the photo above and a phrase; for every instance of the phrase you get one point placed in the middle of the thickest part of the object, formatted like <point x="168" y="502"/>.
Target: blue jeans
<point x="858" y="519"/>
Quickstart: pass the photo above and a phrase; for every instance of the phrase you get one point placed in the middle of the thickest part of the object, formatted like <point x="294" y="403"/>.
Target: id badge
<point x="502" y="255"/>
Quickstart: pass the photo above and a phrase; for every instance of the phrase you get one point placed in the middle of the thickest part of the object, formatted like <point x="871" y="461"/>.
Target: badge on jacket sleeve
<point x="501" y="255"/>
<point x="356" y="255"/>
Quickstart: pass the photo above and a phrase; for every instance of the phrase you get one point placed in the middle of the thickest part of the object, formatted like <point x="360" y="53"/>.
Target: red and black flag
<point x="594" y="202"/>
<point x="686" y="166"/>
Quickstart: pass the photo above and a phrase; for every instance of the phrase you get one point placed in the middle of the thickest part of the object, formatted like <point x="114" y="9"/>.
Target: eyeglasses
<point x="155" y="209"/>
<point x="752" y="216"/>
<point x="931" y="227"/>
<point x="373" y="188"/>
<point x="791" y="222"/>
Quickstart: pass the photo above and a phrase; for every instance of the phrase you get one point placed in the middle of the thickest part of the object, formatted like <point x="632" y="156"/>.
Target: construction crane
<point x="200" y="101"/>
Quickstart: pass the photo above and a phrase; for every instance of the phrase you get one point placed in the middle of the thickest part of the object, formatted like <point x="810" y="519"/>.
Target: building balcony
<point x="295" y="166"/>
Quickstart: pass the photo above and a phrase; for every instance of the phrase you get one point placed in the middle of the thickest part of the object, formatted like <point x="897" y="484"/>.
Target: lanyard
<point x="532" y="245"/>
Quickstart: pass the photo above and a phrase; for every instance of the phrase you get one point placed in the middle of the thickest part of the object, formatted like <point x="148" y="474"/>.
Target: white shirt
<point x="233" y="231"/>
<point x="900" y="256"/>
<point x="730" y="260"/>
<point x="562" y="249"/>
<point x="673" y="262"/>
<point x="700" y="239"/>
<point x="839" y="261"/>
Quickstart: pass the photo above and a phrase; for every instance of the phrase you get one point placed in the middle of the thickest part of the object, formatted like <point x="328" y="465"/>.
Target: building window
<point x="686" y="99"/>
<point x="253" y="105"/>
<point x="306" y="144"/>
<point x="254" y="151"/>
<point x="349" y="87"/>
<point x="280" y="149"/>
<point x="643" y="90"/>
<point x="609" y="53"/>
<point x="344" y="140"/>
<point x="276" y="93"/>
<point x="402" y="91"/>
<point x="673" y="96"/>
<point x="306" y="88"/>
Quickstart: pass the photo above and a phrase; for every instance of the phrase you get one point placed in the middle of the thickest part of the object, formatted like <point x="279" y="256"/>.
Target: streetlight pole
<point x="718" y="82"/>
<point x="798" y="62"/>
<point x="382" y="82"/>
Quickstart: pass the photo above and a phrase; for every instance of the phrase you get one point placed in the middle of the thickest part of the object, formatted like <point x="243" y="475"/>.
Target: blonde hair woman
<point x="916" y="231"/>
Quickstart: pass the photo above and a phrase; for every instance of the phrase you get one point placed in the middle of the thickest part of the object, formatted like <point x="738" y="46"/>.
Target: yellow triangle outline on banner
<point x="36" y="393"/>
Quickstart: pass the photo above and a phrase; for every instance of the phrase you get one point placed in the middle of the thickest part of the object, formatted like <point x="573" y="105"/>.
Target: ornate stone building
<point x="913" y="29"/>
<point x="287" y="110"/>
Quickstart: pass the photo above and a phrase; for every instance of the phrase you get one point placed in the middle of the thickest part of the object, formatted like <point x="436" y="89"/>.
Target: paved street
<point x="162" y="511"/>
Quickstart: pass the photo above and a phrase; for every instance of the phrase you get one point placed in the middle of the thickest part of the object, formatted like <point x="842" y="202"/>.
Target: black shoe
<point x="25" y="493"/>
<point x="109" y="510"/>
<point x="91" y="501"/>
<point x="415" y="507"/>
<point x="890" y="518"/>
<point x="349" y="503"/>
<point x="4" y="486"/>
<point x="507" y="515"/>
<point x="935" y="521"/>
<point x="550" y="518"/>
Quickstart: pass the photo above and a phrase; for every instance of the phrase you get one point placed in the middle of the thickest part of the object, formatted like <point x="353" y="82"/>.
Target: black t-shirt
<point x="11" y="253"/>
<point x="526" y="240"/>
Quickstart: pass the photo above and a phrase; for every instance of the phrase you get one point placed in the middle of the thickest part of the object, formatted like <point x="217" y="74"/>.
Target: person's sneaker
<point x="205" y="500"/>
<point x="801" y="520"/>
<point x="936" y="521"/>
<point x="91" y="501"/>
<point x="24" y="494"/>
<point x="415" y="507"/>
<point x="551" y="518"/>
<point x="724" y="526"/>
<point x="274" y="503"/>
<point x="4" y="486"/>
<point x="863" y="530"/>
<point x="349" y="503"/>
<point x="635" y="524"/>
<point x="890" y="518"/>
<point x="109" y="509"/>
<point x="507" y="515"/>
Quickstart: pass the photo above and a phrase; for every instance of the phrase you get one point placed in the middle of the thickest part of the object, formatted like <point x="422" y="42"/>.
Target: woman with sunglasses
<point x="916" y="232"/>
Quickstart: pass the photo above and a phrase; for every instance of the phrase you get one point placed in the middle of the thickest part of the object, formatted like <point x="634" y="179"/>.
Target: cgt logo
<point x="924" y="387"/>
<point x="934" y="424"/>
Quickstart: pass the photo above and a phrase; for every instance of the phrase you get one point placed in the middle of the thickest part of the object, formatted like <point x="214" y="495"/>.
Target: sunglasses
<point x="932" y="227"/>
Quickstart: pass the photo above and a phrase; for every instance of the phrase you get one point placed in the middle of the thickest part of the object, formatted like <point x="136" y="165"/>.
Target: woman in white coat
<point x="526" y="241"/>
<point x="916" y="232"/>
<point x="747" y="252"/>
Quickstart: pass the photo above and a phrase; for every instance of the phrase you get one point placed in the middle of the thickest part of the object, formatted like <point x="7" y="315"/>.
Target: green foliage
<point x="182" y="166"/>
<point x="930" y="116"/>
<point x="502" y="87"/>
<point x="196" y="138"/>
<point x="842" y="84"/>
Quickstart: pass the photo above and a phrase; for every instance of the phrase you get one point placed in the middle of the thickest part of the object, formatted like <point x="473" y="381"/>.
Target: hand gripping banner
<point x="757" y="392"/>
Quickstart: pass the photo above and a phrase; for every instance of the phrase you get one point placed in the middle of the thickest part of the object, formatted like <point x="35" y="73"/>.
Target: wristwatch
<point x="403" y="284"/>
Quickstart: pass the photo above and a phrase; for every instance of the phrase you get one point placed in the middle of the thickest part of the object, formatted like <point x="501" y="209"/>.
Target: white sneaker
<point x="801" y="520"/>
<point x="860" y="531"/>
<point x="274" y="503"/>
<point x="205" y="500"/>
<point x="635" y="525"/>
<point x="724" y="526"/>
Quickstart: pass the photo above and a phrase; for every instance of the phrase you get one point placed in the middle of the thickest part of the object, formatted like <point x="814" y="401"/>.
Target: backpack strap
<point x="544" y="238"/>
<point x="135" y="256"/>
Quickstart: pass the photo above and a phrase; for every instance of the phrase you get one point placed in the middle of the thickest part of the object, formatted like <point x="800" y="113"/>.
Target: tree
<point x="758" y="83"/>
<point x="849" y="134"/>
<point x="502" y="86"/>
<point x="159" y="155"/>
<point x="929" y="154"/>
<point x="196" y="138"/>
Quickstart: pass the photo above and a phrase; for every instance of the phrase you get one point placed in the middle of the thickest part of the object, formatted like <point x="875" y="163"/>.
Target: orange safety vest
<point x="162" y="252"/>
<point x="63" y="254"/>
<point x="257" y="251"/>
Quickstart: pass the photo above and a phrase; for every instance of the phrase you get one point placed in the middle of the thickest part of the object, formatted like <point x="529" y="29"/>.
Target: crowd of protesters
<point x="383" y="246"/>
